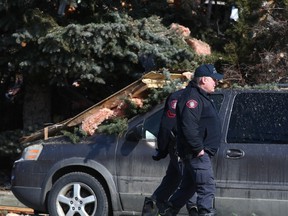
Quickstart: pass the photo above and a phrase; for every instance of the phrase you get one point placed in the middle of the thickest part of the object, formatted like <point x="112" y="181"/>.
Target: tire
<point x="77" y="194"/>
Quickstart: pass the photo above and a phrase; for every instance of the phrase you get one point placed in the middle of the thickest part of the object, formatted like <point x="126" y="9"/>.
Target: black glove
<point x="159" y="155"/>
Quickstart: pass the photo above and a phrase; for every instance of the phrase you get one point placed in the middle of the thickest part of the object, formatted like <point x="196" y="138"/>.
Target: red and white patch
<point x="170" y="114"/>
<point x="191" y="104"/>
<point x="173" y="104"/>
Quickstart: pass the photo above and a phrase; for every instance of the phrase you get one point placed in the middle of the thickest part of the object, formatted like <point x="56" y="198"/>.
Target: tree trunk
<point x="36" y="107"/>
<point x="209" y="11"/>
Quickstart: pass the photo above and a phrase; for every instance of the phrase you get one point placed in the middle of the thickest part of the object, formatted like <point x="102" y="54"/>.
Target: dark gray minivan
<point x="111" y="175"/>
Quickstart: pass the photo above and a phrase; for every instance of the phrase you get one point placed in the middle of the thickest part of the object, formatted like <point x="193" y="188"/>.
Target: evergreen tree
<point x="59" y="42"/>
<point x="257" y="41"/>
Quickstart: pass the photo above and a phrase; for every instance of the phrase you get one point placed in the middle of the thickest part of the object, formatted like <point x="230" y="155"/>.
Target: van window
<point x="259" y="118"/>
<point x="152" y="124"/>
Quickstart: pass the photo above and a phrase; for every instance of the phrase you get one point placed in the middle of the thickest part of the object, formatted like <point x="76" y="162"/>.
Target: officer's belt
<point x="190" y="156"/>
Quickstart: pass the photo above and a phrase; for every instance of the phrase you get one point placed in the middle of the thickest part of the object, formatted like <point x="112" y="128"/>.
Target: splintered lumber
<point x="40" y="134"/>
<point x="134" y="90"/>
<point x="12" y="209"/>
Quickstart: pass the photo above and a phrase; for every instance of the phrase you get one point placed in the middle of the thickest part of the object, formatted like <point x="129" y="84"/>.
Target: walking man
<point x="198" y="139"/>
<point x="166" y="140"/>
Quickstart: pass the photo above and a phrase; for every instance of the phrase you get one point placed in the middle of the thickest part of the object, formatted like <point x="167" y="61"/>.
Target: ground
<point x="5" y="179"/>
<point x="6" y="164"/>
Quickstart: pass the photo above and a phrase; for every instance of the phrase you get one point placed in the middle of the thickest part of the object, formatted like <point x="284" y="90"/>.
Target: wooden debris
<point x="15" y="210"/>
<point x="92" y="117"/>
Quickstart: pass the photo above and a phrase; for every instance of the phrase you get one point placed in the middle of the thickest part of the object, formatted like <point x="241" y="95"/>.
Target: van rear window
<point x="259" y="118"/>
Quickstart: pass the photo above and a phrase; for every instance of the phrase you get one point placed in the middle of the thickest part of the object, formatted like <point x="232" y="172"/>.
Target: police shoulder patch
<point x="191" y="104"/>
<point x="173" y="104"/>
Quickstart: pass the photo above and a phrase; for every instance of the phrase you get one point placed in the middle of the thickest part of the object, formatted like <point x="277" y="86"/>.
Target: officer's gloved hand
<point x="159" y="155"/>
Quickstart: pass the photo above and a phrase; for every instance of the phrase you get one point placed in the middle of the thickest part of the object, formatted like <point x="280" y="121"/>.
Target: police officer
<point x="198" y="138"/>
<point x="167" y="145"/>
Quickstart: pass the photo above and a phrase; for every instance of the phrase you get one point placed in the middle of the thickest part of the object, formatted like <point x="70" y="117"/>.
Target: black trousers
<point x="171" y="182"/>
<point x="198" y="178"/>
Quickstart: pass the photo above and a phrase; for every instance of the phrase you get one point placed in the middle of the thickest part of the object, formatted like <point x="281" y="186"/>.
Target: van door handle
<point x="235" y="153"/>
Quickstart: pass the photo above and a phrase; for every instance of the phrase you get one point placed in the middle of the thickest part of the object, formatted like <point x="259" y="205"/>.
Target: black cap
<point x="208" y="70"/>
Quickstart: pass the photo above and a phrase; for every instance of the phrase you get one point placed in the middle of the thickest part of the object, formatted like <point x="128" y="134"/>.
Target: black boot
<point x="149" y="207"/>
<point x="203" y="212"/>
<point x="166" y="209"/>
<point x="168" y="212"/>
<point x="193" y="211"/>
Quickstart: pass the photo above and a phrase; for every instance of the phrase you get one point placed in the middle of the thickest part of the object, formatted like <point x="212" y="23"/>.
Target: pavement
<point x="8" y="199"/>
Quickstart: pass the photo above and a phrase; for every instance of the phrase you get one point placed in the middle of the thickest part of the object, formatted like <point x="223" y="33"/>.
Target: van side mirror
<point x="135" y="134"/>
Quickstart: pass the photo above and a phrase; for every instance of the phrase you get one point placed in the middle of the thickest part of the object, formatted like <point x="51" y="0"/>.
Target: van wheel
<point x="77" y="194"/>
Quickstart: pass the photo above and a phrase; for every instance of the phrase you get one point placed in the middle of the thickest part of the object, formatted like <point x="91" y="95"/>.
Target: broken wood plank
<point x="135" y="89"/>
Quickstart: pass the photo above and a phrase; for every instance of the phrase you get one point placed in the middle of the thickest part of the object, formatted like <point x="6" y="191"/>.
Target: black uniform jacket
<point x="165" y="138"/>
<point x="198" y="123"/>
